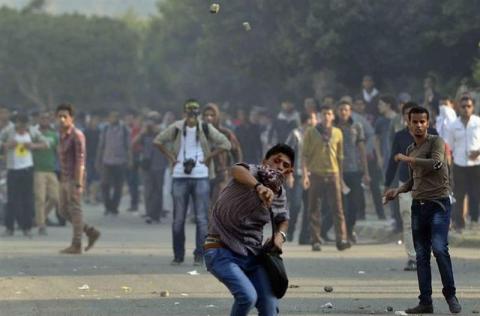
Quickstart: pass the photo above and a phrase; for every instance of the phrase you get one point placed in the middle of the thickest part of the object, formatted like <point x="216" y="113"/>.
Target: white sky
<point x="98" y="7"/>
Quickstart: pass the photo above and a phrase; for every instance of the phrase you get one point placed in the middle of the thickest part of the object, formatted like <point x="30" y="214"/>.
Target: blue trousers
<point x="246" y="279"/>
<point x="430" y="224"/>
<point x="182" y="190"/>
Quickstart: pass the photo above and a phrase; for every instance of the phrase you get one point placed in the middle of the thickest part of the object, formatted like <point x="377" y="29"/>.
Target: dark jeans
<point x="305" y="235"/>
<point x="153" y="189"/>
<point x="20" y="205"/>
<point x="297" y="197"/>
<point x="133" y="182"/>
<point x="376" y="178"/>
<point x="355" y="200"/>
<point x="466" y="183"/>
<point x="430" y="223"/>
<point x="112" y="178"/>
<point x="199" y="191"/>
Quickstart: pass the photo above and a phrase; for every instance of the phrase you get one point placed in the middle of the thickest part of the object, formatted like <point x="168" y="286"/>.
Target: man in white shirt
<point x="18" y="142"/>
<point x="445" y="118"/>
<point x="463" y="137"/>
<point x="194" y="145"/>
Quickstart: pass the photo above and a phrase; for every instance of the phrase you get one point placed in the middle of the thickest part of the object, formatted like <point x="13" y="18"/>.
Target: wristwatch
<point x="78" y="185"/>
<point x="257" y="185"/>
<point x="283" y="235"/>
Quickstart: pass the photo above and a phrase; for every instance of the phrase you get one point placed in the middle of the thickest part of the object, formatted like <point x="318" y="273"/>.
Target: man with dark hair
<point x="18" y="141"/>
<point x="401" y="141"/>
<point x="194" y="146"/>
<point x="113" y="158"/>
<point x="431" y="97"/>
<point x="248" y="134"/>
<point x="72" y="177"/>
<point x="153" y="165"/>
<point x="463" y="137"/>
<point x="322" y="173"/>
<point x="296" y="193"/>
<point x="287" y="120"/>
<point x="370" y="95"/>
<point x="383" y="146"/>
<point x="235" y="235"/>
<point x="431" y="208"/>
<point x="45" y="178"/>
<point x="132" y="122"/>
<point x="355" y="166"/>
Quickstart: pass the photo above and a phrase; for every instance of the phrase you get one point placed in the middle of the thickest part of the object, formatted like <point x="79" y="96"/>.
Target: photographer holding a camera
<point x="190" y="145"/>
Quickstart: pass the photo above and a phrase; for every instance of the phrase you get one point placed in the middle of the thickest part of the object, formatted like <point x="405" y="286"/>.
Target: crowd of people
<point x="344" y="149"/>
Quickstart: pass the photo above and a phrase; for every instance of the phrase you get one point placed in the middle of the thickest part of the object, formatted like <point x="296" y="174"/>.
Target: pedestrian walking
<point x="72" y="177"/>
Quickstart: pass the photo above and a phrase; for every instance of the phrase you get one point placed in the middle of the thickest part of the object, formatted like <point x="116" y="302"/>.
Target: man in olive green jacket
<point x="190" y="146"/>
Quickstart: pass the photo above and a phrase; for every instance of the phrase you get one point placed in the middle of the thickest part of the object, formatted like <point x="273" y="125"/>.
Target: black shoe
<point x="316" y="247"/>
<point x="198" y="261"/>
<point x="454" y="305"/>
<point x="27" y="233"/>
<point x="342" y="245"/>
<point x="176" y="262"/>
<point x="410" y="266"/>
<point x="420" y="309"/>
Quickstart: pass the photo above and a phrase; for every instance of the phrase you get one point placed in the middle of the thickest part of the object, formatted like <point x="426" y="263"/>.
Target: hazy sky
<point x="99" y="7"/>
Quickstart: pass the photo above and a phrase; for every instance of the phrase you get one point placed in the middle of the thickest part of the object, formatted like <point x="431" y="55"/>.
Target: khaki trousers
<point x="326" y="189"/>
<point x="405" y="201"/>
<point x="46" y="195"/>
<point x="71" y="208"/>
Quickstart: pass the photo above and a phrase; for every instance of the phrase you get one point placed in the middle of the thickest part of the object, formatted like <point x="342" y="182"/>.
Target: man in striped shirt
<point x="235" y="233"/>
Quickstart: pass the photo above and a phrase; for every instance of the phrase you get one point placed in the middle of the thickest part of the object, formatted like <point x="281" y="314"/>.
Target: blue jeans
<point x="430" y="223"/>
<point x="199" y="190"/>
<point x="246" y="279"/>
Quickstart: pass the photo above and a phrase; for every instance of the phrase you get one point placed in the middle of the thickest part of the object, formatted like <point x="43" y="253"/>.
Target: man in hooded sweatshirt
<point x="211" y="114"/>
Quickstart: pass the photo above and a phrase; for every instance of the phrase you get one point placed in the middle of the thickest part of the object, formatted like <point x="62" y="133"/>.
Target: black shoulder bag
<point x="273" y="264"/>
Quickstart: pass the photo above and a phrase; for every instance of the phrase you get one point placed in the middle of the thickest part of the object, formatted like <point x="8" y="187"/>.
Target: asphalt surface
<point x="127" y="271"/>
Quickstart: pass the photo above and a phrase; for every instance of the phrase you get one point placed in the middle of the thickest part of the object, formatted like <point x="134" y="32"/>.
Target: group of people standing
<point x="320" y="161"/>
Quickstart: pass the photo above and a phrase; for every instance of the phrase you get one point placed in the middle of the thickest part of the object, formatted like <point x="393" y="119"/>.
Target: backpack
<point x="205" y="129"/>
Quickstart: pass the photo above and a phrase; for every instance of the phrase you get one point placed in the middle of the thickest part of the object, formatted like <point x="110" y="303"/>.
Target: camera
<point x="188" y="165"/>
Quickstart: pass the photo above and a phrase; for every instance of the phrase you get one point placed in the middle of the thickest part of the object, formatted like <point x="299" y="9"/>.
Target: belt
<point x="439" y="202"/>
<point x="213" y="241"/>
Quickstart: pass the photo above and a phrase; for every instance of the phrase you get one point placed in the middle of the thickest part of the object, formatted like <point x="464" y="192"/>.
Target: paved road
<point x="129" y="268"/>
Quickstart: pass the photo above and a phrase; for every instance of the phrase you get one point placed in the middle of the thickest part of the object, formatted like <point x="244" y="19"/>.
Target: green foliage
<point x="48" y="59"/>
<point x="294" y="49"/>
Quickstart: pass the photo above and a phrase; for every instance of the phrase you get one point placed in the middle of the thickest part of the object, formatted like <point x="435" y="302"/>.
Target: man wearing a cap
<point x="190" y="146"/>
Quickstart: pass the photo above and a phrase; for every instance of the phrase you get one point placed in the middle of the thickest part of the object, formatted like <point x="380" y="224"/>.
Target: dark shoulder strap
<point x="205" y="129"/>
<point x="272" y="222"/>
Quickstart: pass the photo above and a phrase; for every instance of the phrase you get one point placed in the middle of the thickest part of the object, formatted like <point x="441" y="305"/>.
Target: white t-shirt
<point x="22" y="157"/>
<point x="190" y="148"/>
